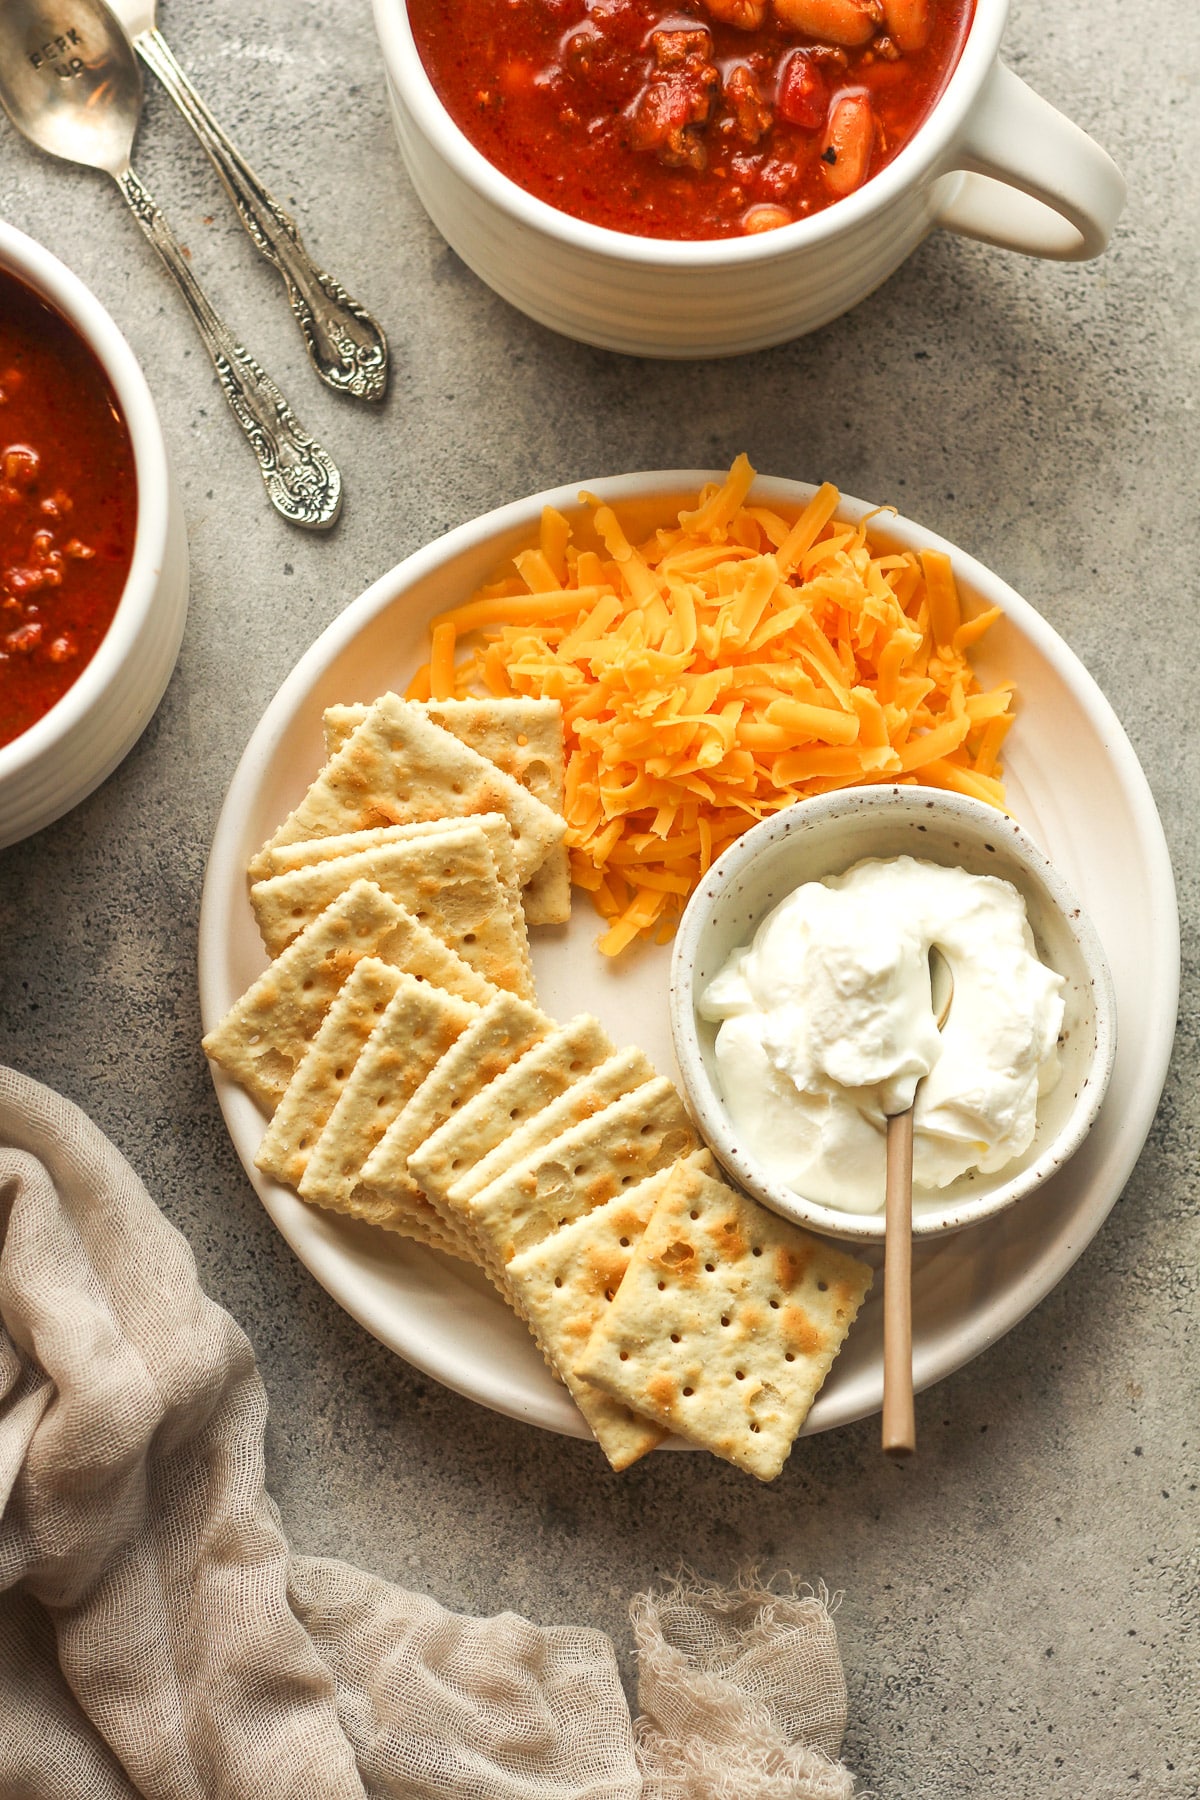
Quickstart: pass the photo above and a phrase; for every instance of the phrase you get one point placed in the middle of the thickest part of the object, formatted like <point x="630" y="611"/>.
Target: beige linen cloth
<point x="158" y="1638"/>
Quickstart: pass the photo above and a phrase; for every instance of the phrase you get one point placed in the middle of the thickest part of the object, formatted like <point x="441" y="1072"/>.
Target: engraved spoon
<point x="69" y="82"/>
<point x="899" y="1428"/>
<point x="345" y="344"/>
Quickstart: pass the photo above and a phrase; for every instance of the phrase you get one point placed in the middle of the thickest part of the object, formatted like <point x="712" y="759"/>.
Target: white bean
<point x="765" y="217"/>
<point x="847" y="144"/>
<point x="847" y="22"/>
<point x="746" y="15"/>
<point x="907" y="23"/>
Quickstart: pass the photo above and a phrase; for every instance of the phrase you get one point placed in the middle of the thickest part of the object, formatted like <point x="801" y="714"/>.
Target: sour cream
<point x="827" y="1028"/>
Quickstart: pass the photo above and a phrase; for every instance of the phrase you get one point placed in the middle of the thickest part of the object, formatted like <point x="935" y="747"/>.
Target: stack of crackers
<point x="413" y="1082"/>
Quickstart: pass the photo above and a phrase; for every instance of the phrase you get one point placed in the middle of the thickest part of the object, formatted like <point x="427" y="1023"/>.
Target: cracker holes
<point x="558" y="1281"/>
<point x="757" y="1250"/>
<point x="756" y="1428"/>
<point x="457" y="1163"/>
<point x="469" y="938"/>
<point x="693" y="1214"/>
<point x="297" y="912"/>
<point x="662" y="1287"/>
<point x="624" y="1356"/>
<point x="456" y="1103"/>
<point x="308" y="986"/>
<point x="339" y="1074"/>
<point x="709" y="1268"/>
<point x="789" y="1356"/>
<point x="774" y="1305"/>
<point x="575" y="1067"/>
<point x="822" y="1287"/>
<point x="624" y="1243"/>
<point x="688" y="1392"/>
<point x="675" y="1337"/>
<point x="578" y="1169"/>
<point x="725" y="1319"/>
<point x="740" y="1374"/>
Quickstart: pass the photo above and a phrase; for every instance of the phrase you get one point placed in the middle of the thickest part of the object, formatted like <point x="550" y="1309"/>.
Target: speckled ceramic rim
<point x="895" y="804"/>
<point x="54" y="282"/>
<point x="920" y="155"/>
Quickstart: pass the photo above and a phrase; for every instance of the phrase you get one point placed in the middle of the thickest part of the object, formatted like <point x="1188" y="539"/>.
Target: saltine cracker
<point x="398" y="767"/>
<point x="524" y="738"/>
<point x="582" y="1169"/>
<point x="726" y="1322"/>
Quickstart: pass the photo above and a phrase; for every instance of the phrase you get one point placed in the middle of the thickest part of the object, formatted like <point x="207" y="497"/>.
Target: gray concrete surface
<point x="1021" y="1603"/>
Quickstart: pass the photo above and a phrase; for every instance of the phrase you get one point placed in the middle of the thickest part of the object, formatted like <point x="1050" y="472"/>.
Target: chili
<point x="68" y="506"/>
<point x="704" y="119"/>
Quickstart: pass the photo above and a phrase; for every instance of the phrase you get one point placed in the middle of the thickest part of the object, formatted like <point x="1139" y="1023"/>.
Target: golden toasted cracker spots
<point x="726" y="1345"/>
<point x="631" y="1138"/>
<point x="415" y="1031"/>
<point x="562" y="1288"/>
<point x="524" y="738"/>
<point x="262" y="1038"/>
<point x="398" y="767"/>
<point x="496" y="1038"/>
<point x="448" y="881"/>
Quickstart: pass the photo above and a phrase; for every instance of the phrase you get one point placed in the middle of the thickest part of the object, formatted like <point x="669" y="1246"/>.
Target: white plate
<point x="1073" y="781"/>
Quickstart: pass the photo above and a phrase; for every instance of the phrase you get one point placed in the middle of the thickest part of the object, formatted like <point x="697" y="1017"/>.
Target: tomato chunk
<point x="803" y="95"/>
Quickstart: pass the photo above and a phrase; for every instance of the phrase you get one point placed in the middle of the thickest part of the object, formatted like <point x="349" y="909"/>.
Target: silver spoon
<point x="69" y="81"/>
<point x="346" y="345"/>
<point x="899" y="1426"/>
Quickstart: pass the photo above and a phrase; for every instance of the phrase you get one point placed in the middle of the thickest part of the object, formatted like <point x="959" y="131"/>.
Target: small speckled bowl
<point x="826" y="836"/>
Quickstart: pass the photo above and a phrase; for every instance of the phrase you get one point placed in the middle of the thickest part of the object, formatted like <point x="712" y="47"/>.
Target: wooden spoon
<point x="899" y="1423"/>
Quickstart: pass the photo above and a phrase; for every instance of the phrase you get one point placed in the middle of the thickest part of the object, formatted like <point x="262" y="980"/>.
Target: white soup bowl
<point x="992" y="160"/>
<point x="64" y="755"/>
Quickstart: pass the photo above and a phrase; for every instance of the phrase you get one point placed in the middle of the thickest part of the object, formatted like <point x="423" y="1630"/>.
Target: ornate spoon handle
<point x="346" y="345"/>
<point x="302" y="480"/>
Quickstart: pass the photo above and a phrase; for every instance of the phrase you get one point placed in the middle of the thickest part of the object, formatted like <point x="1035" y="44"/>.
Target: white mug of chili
<point x="988" y="158"/>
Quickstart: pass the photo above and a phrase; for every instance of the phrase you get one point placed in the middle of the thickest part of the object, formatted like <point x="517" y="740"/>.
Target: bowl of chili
<point x="684" y="178"/>
<point x="93" y="551"/>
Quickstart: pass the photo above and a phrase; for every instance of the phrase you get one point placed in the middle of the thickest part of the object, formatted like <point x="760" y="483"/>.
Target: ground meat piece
<point x="752" y="118"/>
<point x="674" y="48"/>
<point x="672" y="110"/>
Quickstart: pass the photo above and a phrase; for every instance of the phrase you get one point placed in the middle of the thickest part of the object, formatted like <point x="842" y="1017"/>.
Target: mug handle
<point x="1031" y="180"/>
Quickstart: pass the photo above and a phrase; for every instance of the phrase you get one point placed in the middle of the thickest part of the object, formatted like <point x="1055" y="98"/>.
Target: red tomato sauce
<point x="665" y="121"/>
<point x="68" y="507"/>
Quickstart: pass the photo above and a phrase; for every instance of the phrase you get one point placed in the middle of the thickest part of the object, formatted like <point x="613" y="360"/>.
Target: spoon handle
<point x="899" y="1421"/>
<point x="346" y="345"/>
<point x="302" y="480"/>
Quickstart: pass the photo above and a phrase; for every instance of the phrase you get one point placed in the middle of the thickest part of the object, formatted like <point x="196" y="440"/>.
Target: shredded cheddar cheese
<point x="733" y="664"/>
